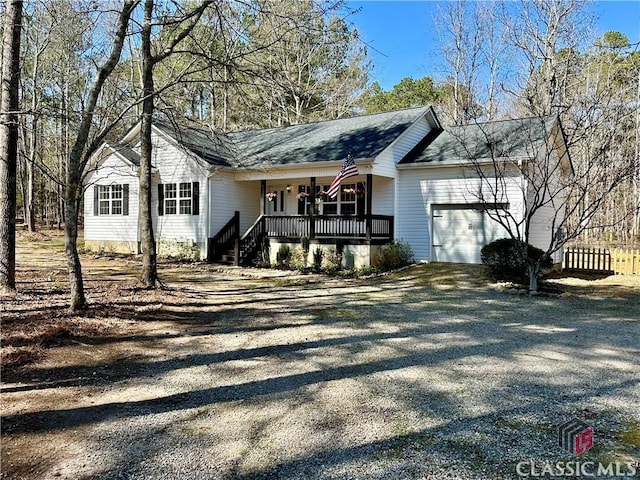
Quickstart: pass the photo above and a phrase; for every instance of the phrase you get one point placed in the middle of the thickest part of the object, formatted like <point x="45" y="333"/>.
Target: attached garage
<point x="460" y="232"/>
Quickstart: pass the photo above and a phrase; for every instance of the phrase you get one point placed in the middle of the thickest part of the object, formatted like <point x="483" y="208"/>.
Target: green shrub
<point x="505" y="261"/>
<point x="179" y="249"/>
<point x="283" y="256"/>
<point x="393" y="255"/>
<point x="299" y="258"/>
<point x="331" y="261"/>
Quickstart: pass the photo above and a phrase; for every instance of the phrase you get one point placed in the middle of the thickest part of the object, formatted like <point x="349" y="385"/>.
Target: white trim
<point x="407" y="132"/>
<point x="463" y="163"/>
<point x="277" y="172"/>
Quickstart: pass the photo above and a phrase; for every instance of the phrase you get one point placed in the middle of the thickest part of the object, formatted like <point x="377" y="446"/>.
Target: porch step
<point x="228" y="257"/>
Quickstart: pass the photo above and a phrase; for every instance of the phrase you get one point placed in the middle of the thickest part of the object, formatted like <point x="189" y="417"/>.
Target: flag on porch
<point x="348" y="169"/>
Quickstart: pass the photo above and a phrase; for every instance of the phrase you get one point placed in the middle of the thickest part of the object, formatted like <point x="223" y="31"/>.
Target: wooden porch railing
<point x="329" y="226"/>
<point x="319" y="226"/>
<point x="250" y="241"/>
<point x="225" y="239"/>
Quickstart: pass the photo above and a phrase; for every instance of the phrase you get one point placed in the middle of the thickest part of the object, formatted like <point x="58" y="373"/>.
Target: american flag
<point x="348" y="169"/>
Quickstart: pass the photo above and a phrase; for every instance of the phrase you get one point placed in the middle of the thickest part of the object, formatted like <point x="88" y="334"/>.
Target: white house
<point x="217" y="194"/>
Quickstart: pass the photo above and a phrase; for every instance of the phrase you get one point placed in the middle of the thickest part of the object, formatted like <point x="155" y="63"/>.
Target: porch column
<point x="263" y="193"/>
<point x="312" y="208"/>
<point x="368" y="199"/>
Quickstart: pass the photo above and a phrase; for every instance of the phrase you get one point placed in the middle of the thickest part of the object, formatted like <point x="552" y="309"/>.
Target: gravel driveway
<point x="426" y="373"/>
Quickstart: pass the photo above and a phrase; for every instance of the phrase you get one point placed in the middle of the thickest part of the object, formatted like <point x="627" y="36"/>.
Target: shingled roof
<point x="364" y="136"/>
<point x="128" y="153"/>
<point x="214" y="148"/>
<point x="519" y="138"/>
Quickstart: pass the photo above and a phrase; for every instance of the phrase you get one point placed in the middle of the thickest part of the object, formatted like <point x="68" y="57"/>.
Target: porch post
<point x="263" y="193"/>
<point x="312" y="208"/>
<point x="369" y="202"/>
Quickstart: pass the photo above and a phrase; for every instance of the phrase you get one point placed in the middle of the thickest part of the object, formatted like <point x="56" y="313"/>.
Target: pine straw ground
<point x="271" y="374"/>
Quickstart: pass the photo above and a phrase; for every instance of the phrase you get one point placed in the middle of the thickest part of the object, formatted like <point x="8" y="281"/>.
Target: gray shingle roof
<point x="508" y="138"/>
<point x="128" y="153"/>
<point x="214" y="148"/>
<point x="364" y="136"/>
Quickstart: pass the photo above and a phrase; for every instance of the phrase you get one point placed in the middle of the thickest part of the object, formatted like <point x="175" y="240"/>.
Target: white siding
<point x="540" y="232"/>
<point x="227" y="196"/>
<point x="175" y="166"/>
<point x="385" y="164"/>
<point x="383" y="196"/>
<point x="542" y="228"/>
<point x="113" y="171"/>
<point x="420" y="191"/>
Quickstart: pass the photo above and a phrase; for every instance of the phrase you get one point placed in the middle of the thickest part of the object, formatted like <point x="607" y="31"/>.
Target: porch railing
<point x="250" y="242"/>
<point x="320" y="226"/>
<point x="329" y="226"/>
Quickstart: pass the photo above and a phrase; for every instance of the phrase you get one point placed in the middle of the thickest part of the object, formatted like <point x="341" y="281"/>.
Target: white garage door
<point x="459" y="232"/>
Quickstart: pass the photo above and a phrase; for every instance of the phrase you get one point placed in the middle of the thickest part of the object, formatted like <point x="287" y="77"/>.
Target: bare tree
<point x="529" y="159"/>
<point x="181" y="25"/>
<point x="81" y="151"/>
<point x="9" y="105"/>
<point x="585" y="101"/>
<point x="462" y="49"/>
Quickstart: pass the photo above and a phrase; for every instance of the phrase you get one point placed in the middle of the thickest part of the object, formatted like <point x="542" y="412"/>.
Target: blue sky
<point x="402" y="42"/>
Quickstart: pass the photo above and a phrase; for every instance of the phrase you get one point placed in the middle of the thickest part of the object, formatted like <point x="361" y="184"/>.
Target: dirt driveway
<point x="239" y="374"/>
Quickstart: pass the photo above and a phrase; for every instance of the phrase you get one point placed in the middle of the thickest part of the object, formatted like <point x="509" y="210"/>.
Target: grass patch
<point x="405" y="440"/>
<point x="631" y="434"/>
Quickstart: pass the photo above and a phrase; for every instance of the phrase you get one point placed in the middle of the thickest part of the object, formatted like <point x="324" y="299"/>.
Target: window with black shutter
<point x="179" y="198"/>
<point x="111" y="199"/>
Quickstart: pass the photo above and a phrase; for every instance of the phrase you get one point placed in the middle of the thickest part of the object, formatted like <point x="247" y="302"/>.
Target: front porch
<point x="357" y="235"/>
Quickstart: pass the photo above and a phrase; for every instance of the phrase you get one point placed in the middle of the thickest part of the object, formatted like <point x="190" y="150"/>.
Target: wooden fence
<point x="620" y="261"/>
<point x="625" y="261"/>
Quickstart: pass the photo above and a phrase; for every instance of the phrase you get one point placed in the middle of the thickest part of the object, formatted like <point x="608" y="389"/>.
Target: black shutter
<point x="125" y="199"/>
<point x="95" y="200"/>
<point x="195" y="198"/>
<point x="160" y="199"/>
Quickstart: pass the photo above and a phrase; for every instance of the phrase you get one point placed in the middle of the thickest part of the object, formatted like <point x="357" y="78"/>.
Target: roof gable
<point x="519" y="138"/>
<point x="214" y="148"/>
<point x="364" y="136"/>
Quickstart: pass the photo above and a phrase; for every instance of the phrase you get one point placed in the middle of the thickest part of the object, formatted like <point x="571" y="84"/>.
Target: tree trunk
<point x="148" y="243"/>
<point x="79" y="156"/>
<point x="9" y="143"/>
<point x="533" y="279"/>
<point x="74" y="267"/>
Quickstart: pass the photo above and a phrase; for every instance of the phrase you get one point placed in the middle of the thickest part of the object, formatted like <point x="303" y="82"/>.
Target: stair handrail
<point x="249" y="241"/>
<point x="259" y="220"/>
<point x="225" y="236"/>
